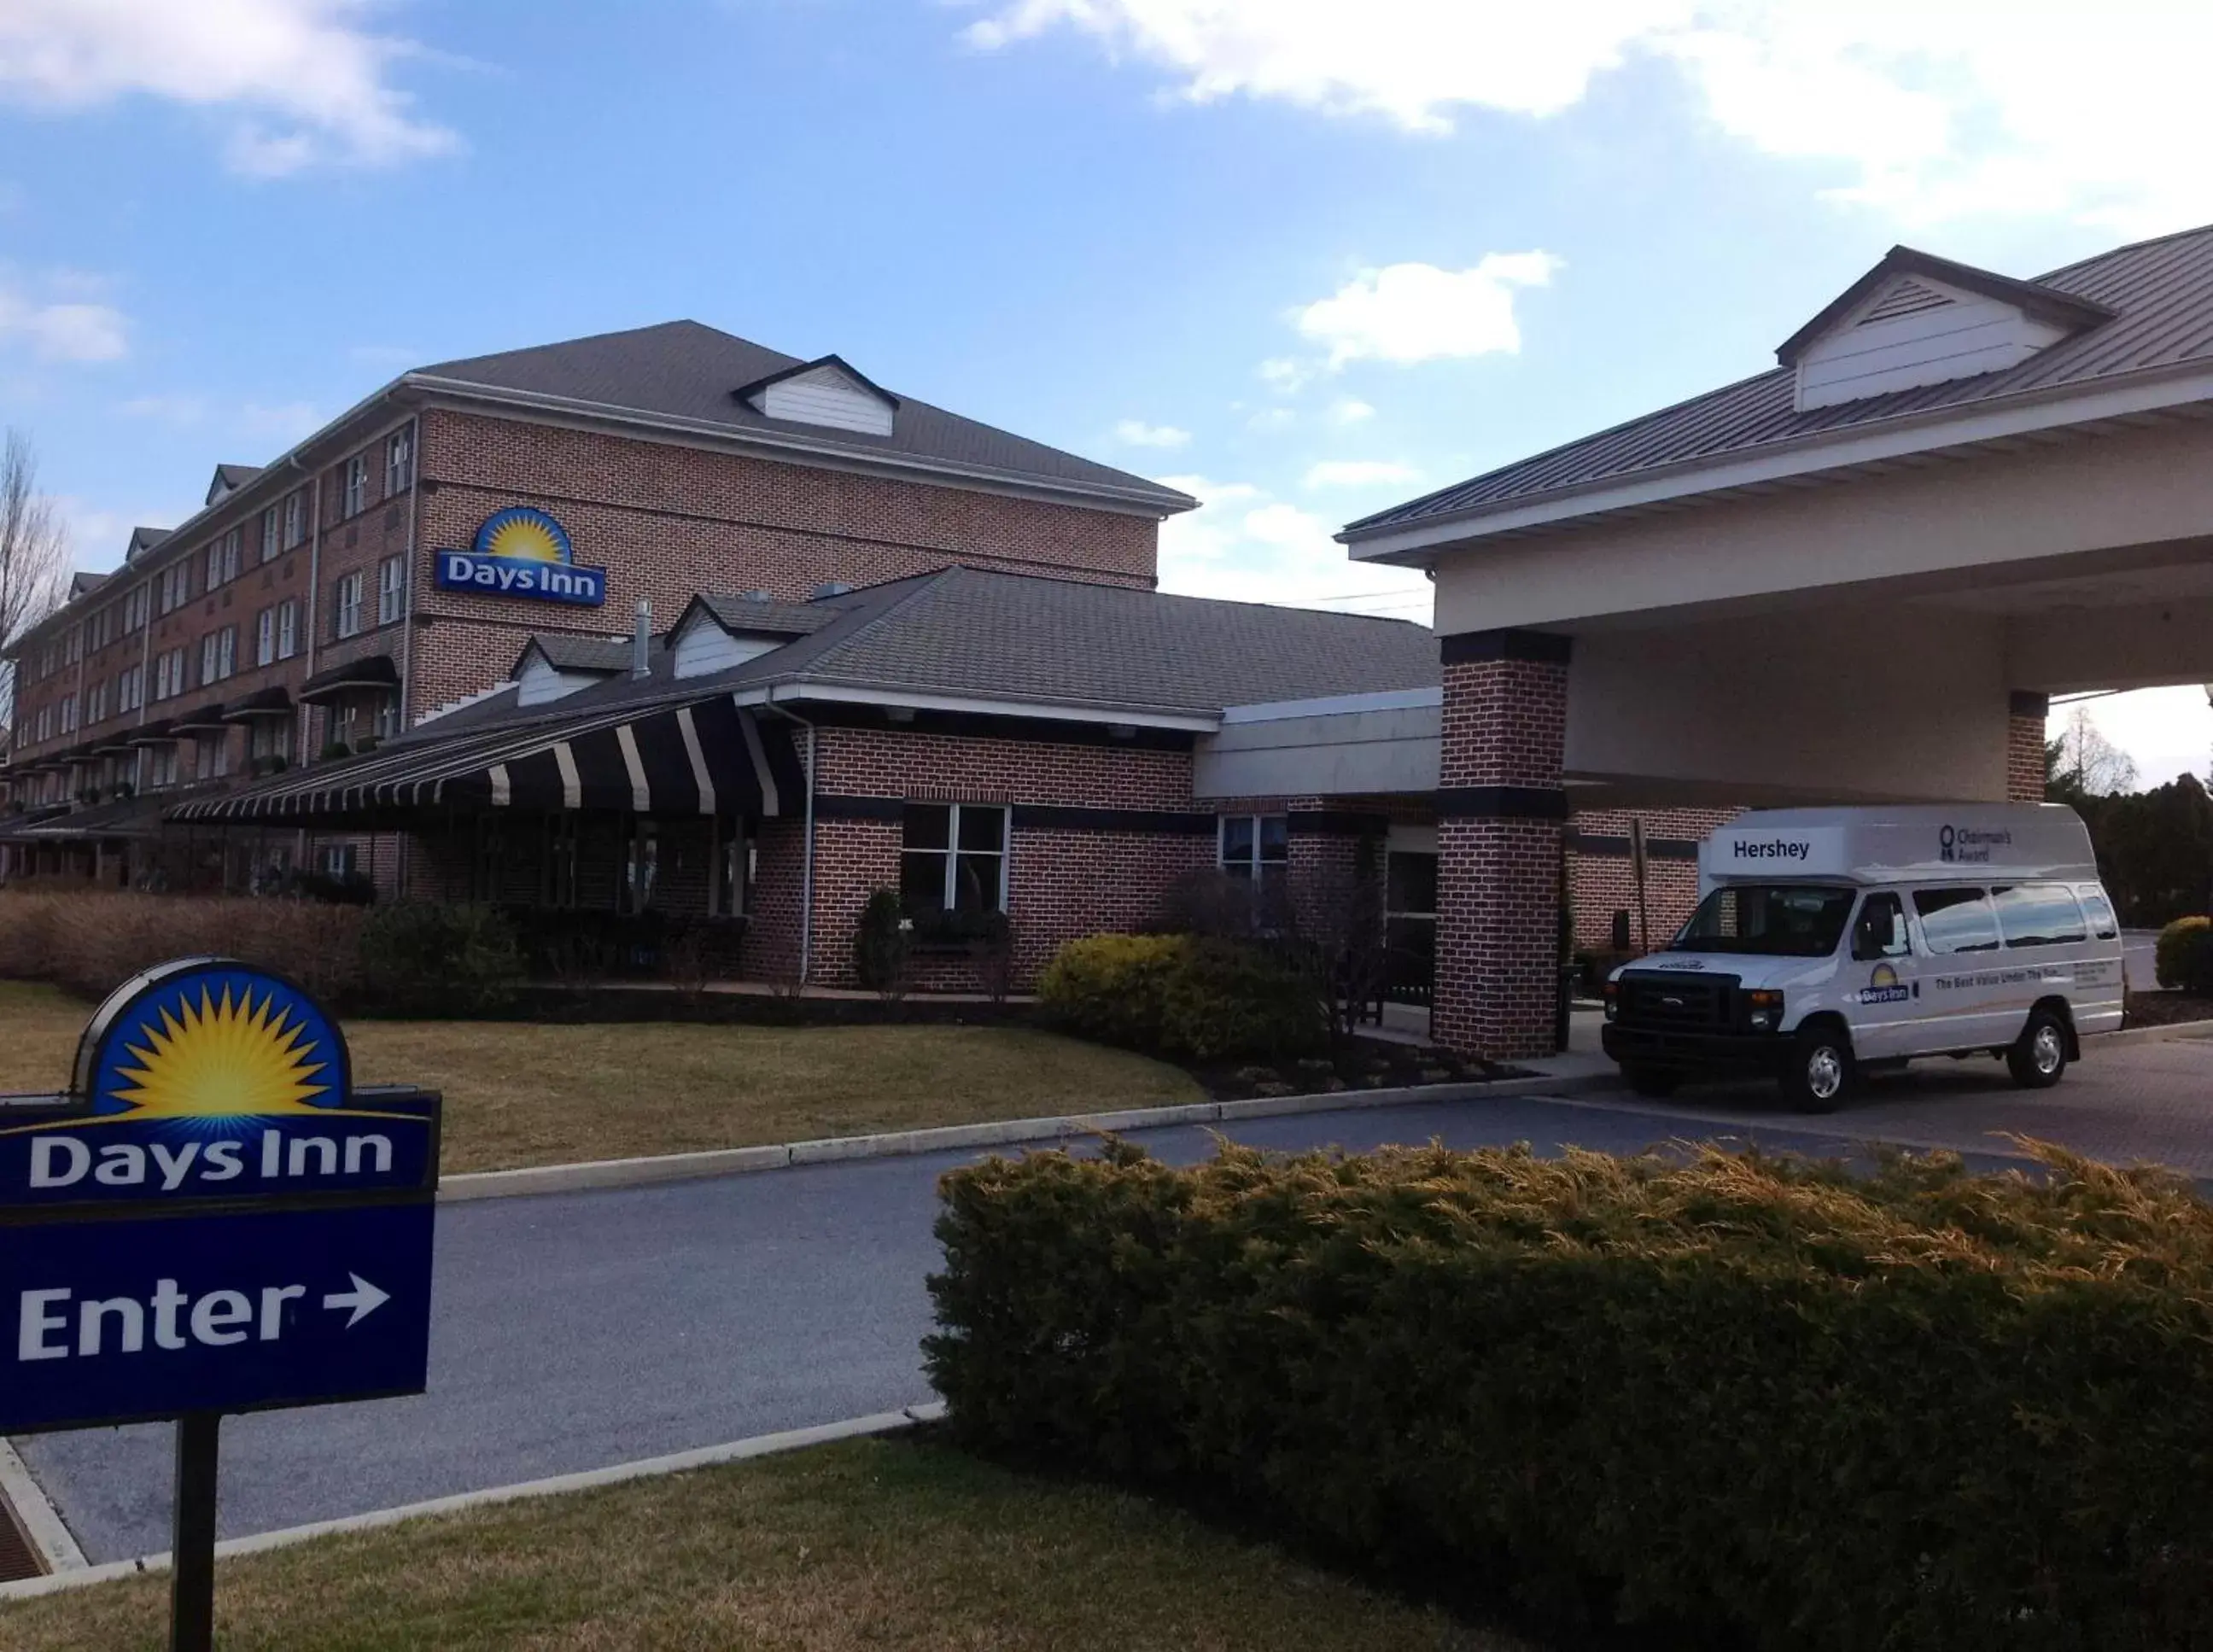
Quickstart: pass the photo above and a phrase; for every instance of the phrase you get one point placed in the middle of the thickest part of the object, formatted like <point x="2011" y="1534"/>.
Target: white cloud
<point x="1243" y="546"/>
<point x="1928" y="112"/>
<point x="1359" y="473"/>
<point x="1270" y="420"/>
<point x="62" y="332"/>
<point x="1351" y="410"/>
<point x="1408" y="312"/>
<point x="1136" y="433"/>
<point x="1285" y="375"/>
<point x="304" y="82"/>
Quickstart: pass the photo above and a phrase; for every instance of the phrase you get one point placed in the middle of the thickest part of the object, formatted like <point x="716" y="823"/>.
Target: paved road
<point x="581" y="1330"/>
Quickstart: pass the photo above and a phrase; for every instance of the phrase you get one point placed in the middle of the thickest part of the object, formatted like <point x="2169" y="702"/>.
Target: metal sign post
<point x="1637" y="859"/>
<point x="212" y="1219"/>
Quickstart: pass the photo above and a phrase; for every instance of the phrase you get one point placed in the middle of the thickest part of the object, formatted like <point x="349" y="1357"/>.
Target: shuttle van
<point x="1829" y="943"/>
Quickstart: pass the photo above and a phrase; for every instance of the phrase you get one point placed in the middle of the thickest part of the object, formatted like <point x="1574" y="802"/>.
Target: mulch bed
<point x="1356" y="1065"/>
<point x="2166" y="1008"/>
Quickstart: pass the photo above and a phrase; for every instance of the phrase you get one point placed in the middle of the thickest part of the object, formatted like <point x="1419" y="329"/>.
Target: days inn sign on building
<point x="521" y="551"/>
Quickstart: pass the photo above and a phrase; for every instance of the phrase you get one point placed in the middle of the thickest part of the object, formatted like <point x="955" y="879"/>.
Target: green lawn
<point x="519" y="1094"/>
<point x="884" y="1544"/>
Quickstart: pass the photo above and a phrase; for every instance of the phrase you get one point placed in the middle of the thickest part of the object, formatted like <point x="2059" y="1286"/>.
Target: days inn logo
<point x="208" y="1077"/>
<point x="521" y="551"/>
<point x="1884" y="987"/>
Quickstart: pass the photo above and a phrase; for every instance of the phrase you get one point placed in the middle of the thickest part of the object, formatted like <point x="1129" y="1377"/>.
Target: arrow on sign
<point x="364" y="1299"/>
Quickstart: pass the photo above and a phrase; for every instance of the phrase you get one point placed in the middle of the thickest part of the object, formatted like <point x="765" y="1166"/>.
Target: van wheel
<point x="2039" y="1056"/>
<point x="1819" y="1073"/>
<point x="1654" y="1081"/>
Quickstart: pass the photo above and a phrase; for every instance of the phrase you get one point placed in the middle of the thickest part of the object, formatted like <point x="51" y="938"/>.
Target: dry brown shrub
<point x="91" y="941"/>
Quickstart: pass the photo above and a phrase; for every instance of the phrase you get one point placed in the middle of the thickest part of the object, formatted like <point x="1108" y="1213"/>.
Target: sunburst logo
<point x="221" y="1056"/>
<point x="521" y="533"/>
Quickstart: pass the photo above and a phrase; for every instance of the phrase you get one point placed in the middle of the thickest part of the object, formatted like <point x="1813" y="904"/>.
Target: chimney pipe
<point x="641" y="664"/>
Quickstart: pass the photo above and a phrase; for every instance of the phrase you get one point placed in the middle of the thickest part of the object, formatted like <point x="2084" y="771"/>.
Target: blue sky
<point x="1304" y="257"/>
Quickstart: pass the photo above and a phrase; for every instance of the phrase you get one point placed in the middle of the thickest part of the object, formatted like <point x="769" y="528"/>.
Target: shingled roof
<point x="2159" y="295"/>
<point x="686" y="371"/>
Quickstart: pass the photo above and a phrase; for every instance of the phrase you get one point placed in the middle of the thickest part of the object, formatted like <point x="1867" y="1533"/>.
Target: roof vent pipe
<point x="641" y="663"/>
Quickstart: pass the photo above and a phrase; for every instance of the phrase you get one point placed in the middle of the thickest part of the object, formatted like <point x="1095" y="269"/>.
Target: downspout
<point x="314" y="621"/>
<point x="807" y="852"/>
<point x="407" y="619"/>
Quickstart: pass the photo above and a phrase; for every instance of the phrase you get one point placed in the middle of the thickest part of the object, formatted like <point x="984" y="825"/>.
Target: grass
<point x="519" y="1094"/>
<point x="881" y="1543"/>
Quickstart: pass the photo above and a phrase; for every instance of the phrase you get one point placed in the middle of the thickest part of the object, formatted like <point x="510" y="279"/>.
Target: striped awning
<point x="706" y="757"/>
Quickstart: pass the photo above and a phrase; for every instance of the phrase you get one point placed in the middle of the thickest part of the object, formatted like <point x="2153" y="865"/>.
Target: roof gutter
<point x="1152" y="500"/>
<point x="779" y="694"/>
<point x="1930" y="431"/>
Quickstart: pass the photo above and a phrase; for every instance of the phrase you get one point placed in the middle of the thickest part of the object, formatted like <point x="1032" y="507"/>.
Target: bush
<point x="2184" y="958"/>
<point x="1733" y="1401"/>
<point x="881" y="944"/>
<point x="1187" y="998"/>
<point x="424" y="958"/>
<point x="91" y="941"/>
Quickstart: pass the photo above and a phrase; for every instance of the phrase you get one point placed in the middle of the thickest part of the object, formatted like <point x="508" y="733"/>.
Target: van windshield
<point x="1779" y="920"/>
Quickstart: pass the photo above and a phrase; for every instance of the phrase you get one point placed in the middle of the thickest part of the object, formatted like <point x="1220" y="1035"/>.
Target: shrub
<point x="881" y="944"/>
<point x="91" y="941"/>
<point x="1187" y="998"/>
<point x="424" y="958"/>
<point x="2185" y="954"/>
<point x="1734" y="1401"/>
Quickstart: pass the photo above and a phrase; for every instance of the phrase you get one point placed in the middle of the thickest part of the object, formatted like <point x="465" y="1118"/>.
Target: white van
<point x="1830" y="942"/>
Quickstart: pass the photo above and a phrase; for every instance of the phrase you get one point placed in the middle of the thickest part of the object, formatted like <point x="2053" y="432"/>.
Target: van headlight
<point x="1613" y="999"/>
<point x="1766" y="1009"/>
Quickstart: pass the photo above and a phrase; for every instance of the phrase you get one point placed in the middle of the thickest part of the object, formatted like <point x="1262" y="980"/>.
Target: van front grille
<point x="1655" y="999"/>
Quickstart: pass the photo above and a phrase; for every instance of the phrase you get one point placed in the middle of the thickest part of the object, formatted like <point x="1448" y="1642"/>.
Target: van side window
<point x="1957" y="920"/>
<point x="2103" y="923"/>
<point x="2040" y="915"/>
<point x="1881" y="931"/>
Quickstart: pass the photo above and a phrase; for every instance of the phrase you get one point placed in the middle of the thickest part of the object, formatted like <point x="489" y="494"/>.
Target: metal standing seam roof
<point x="686" y="370"/>
<point x="2160" y="293"/>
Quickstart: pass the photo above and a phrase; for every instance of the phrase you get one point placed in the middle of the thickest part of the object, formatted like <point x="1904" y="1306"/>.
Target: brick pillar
<point x="2025" y="718"/>
<point x="1501" y="814"/>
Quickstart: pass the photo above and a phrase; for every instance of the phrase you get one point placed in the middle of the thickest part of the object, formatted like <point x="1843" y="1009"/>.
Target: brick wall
<point x="1601" y="880"/>
<point x="2024" y="728"/>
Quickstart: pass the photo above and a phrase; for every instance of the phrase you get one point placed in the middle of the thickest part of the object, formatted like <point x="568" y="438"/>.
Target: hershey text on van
<point x="1772" y="849"/>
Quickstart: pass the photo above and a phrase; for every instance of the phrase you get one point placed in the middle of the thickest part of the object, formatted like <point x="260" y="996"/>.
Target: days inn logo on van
<point x="521" y="551"/>
<point x="207" y="1078"/>
<point x="1883" y="987"/>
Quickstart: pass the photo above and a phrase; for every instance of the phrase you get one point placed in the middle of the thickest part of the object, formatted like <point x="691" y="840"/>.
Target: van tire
<point x="1819" y="1074"/>
<point x="1657" y="1083"/>
<point x="2038" y="1057"/>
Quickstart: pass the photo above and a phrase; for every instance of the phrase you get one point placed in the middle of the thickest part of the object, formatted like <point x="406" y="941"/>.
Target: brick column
<point x="1501" y="813"/>
<point x="2025" y="719"/>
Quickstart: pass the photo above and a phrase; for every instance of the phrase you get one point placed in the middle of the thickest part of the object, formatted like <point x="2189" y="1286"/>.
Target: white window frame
<point x="345" y="606"/>
<point x="288" y="628"/>
<point x="953" y="852"/>
<point x="391" y="590"/>
<point x="1256" y="865"/>
<point x="264" y="637"/>
<point x="296" y="517"/>
<point x="353" y="496"/>
<point x="399" y="462"/>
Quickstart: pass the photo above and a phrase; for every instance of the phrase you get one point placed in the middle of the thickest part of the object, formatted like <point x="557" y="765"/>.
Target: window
<point x="954" y="858"/>
<point x="1255" y="846"/>
<point x="68" y="714"/>
<point x="399" y="462"/>
<point x="1880" y="931"/>
<point x="2039" y="915"/>
<point x="384" y="719"/>
<point x="296" y="517"/>
<point x="218" y="655"/>
<point x="391" y="589"/>
<point x="1769" y="920"/>
<point x="265" y="636"/>
<point x="288" y="628"/>
<point x="169" y="675"/>
<point x="272" y="545"/>
<point x="1956" y="920"/>
<point x="346" y="606"/>
<point x="2103" y="923"/>
<point x="488" y="865"/>
<point x="730" y="869"/>
<point x="353" y="498"/>
<point x="641" y="865"/>
<point x="136" y="607"/>
<point x="560" y="886"/>
<point x="131" y="688"/>
<point x="213" y="755"/>
<point x="271" y="743"/>
<point x="162" y="766"/>
<point x="339" y="860"/>
<point x="96" y="704"/>
<point x="223" y="560"/>
<point x="176" y="584"/>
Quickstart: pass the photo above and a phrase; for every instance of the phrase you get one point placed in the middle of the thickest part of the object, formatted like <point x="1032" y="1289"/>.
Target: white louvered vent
<point x="827" y="396"/>
<point x="1904" y="299"/>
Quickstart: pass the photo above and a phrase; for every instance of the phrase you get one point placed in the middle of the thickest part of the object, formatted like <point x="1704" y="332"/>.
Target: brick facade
<point x="1602" y="881"/>
<point x="2027" y="715"/>
<point x="1501" y="811"/>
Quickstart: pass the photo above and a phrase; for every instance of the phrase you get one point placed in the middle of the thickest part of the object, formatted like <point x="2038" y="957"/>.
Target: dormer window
<point x="826" y="393"/>
<point x="1914" y="320"/>
<point x="717" y="632"/>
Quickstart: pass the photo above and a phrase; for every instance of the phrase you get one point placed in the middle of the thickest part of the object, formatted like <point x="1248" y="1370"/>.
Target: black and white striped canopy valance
<point x="706" y="758"/>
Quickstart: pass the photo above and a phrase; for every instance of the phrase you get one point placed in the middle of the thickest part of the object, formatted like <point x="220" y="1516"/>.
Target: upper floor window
<point x="218" y="655"/>
<point x="353" y="498"/>
<point x="346" y="606"/>
<point x="271" y="530"/>
<point x="296" y="517"/>
<point x="176" y="585"/>
<point x="223" y="560"/>
<point x="135" y="607"/>
<point x="391" y="589"/>
<point x="399" y="462"/>
<point x="68" y="714"/>
<point x="265" y="636"/>
<point x="288" y="628"/>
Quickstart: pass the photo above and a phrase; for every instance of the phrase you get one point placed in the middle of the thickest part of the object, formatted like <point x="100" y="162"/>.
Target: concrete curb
<point x="1006" y="1132"/>
<point x="763" y="1445"/>
<point x="2155" y="1034"/>
<point x="49" y="1539"/>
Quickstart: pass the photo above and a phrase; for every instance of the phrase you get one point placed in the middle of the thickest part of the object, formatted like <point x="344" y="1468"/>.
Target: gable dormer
<point x="717" y="632"/>
<point x="557" y="664"/>
<point x="1917" y="319"/>
<point x="143" y="539"/>
<point x="229" y="479"/>
<point x="825" y="392"/>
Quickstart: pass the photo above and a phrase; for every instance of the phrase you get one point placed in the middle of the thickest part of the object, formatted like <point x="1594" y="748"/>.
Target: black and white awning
<point x="706" y="757"/>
